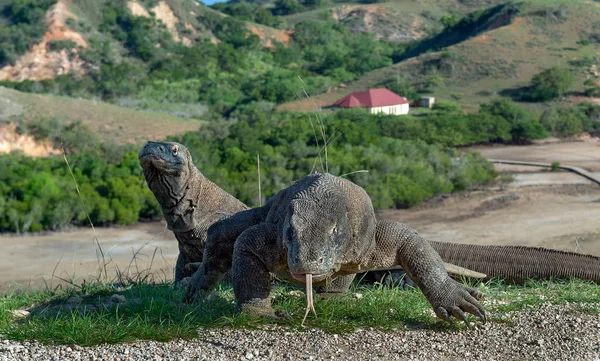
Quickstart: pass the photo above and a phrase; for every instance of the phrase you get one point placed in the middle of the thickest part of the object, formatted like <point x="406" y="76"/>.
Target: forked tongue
<point x="309" y="297"/>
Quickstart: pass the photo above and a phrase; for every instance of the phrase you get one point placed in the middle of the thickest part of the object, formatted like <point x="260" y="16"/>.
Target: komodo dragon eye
<point x="174" y="150"/>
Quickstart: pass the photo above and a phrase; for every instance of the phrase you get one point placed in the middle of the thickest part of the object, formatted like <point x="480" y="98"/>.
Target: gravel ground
<point x="549" y="332"/>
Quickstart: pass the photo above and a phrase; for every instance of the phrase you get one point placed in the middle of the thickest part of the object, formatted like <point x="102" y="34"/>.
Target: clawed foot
<point x="454" y="299"/>
<point x="262" y="308"/>
<point x="194" y="292"/>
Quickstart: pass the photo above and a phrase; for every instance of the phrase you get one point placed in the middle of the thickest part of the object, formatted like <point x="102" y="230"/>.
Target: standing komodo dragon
<point x="189" y="201"/>
<point x="191" y="204"/>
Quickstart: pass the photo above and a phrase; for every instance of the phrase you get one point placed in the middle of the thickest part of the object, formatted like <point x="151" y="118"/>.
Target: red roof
<point x="379" y="97"/>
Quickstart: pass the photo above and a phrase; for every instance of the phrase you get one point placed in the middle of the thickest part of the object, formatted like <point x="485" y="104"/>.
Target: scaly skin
<point x="190" y="202"/>
<point x="324" y="226"/>
<point x="515" y="264"/>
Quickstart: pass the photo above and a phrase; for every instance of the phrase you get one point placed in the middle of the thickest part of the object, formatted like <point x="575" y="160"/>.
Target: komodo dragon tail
<point x="515" y="264"/>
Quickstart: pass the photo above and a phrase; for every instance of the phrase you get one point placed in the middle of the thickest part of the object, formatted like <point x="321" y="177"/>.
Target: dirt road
<point x="538" y="208"/>
<point x="37" y="260"/>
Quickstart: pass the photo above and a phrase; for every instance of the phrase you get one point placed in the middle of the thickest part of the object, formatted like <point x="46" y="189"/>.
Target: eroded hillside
<point x="71" y="23"/>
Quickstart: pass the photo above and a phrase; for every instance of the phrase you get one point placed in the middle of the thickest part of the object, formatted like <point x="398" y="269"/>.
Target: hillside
<point x="396" y="20"/>
<point x="110" y="121"/>
<point x="71" y="24"/>
<point x="498" y="61"/>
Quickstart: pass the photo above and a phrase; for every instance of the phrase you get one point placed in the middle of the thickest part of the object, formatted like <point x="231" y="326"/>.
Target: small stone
<point x="249" y="355"/>
<point x="358" y="296"/>
<point x="116" y="298"/>
<point x="296" y="294"/>
<point x="20" y="313"/>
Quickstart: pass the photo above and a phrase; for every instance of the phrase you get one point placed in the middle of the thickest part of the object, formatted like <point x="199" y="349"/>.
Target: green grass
<point x="155" y="311"/>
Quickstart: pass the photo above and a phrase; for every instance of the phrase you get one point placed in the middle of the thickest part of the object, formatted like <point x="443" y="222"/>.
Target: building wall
<point x="398" y="109"/>
<point x="427" y="102"/>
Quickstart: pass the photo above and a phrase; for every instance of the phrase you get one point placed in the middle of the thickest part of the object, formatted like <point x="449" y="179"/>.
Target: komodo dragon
<point x="189" y="201"/>
<point x="191" y="204"/>
<point x="320" y="228"/>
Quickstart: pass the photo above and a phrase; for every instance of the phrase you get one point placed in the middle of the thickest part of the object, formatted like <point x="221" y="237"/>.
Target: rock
<point x="116" y="298"/>
<point x="20" y="313"/>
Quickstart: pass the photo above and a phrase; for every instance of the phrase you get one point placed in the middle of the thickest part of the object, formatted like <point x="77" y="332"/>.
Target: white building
<point x="380" y="100"/>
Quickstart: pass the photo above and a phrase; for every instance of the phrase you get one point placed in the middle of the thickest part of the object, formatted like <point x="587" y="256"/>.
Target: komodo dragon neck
<point x="198" y="201"/>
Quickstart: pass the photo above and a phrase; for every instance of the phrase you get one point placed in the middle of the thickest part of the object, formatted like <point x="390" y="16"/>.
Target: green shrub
<point x="550" y="84"/>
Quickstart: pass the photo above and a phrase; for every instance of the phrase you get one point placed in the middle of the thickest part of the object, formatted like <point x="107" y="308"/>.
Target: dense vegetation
<point x="24" y="27"/>
<point x="135" y="61"/>
<point x="402" y="170"/>
<point x="407" y="158"/>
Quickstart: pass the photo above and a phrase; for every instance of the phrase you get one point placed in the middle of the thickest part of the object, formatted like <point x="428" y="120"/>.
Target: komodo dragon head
<point x="167" y="168"/>
<point x="316" y="237"/>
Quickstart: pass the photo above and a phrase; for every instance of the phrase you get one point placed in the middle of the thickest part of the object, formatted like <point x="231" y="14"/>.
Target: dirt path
<point x="34" y="259"/>
<point x="578" y="154"/>
<point x="559" y="210"/>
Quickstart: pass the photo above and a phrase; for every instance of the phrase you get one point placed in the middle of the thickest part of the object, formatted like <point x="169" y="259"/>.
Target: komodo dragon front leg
<point x="255" y="256"/>
<point x="397" y="244"/>
<point x="218" y="251"/>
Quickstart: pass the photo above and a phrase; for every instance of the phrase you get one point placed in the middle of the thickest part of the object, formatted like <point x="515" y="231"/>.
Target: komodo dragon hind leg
<point x="253" y="261"/>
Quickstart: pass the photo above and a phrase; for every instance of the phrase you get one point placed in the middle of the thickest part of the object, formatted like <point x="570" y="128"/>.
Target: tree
<point x="592" y="89"/>
<point x="433" y="81"/>
<point x="449" y="20"/>
<point x="524" y="125"/>
<point x="286" y="7"/>
<point x="550" y="84"/>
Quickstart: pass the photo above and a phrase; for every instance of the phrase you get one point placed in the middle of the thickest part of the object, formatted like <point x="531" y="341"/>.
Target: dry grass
<point x="111" y="122"/>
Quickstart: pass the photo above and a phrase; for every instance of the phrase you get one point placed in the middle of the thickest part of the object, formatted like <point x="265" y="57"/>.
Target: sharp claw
<point x="443" y="314"/>
<point x="459" y="314"/>
<point x="464" y="318"/>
